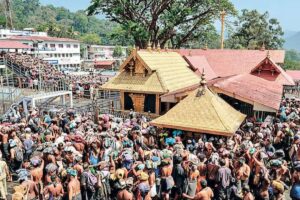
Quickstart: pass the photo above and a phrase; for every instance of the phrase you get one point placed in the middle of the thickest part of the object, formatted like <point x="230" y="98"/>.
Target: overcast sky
<point x="286" y="11"/>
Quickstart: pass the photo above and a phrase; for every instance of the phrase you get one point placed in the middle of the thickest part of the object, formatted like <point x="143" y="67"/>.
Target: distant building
<point x="99" y="52"/>
<point x="63" y="53"/>
<point x="6" y="33"/>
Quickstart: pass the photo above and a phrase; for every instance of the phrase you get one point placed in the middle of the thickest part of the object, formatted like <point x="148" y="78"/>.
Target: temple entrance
<point x="149" y="104"/>
<point x="128" y="103"/>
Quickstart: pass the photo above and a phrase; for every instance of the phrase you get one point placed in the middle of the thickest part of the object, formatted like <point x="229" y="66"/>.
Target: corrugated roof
<point x="44" y="38"/>
<point x="6" y="44"/>
<point x="295" y="74"/>
<point x="207" y="113"/>
<point x="229" y="62"/>
<point x="104" y="62"/>
<point x="198" y="64"/>
<point x="252" y="88"/>
<point x="168" y="69"/>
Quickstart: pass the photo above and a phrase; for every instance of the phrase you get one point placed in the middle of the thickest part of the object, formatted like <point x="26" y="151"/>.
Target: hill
<point x="293" y="42"/>
<point x="61" y="22"/>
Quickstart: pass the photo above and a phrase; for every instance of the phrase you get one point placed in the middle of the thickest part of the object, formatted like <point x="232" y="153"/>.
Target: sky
<point x="286" y="11"/>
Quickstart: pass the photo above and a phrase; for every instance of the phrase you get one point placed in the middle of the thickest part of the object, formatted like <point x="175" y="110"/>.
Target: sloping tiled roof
<point x="280" y="77"/>
<point x="252" y="88"/>
<point x="6" y="44"/>
<point x="199" y="63"/>
<point x="136" y="83"/>
<point x="172" y="69"/>
<point x="295" y="74"/>
<point x="44" y="38"/>
<point x="168" y="72"/>
<point x="229" y="62"/>
<point x="206" y="113"/>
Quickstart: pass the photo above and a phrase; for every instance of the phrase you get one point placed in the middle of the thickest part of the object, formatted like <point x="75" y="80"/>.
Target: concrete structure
<point x="61" y="94"/>
<point x="100" y="52"/>
<point x="63" y="53"/>
<point x="6" y="33"/>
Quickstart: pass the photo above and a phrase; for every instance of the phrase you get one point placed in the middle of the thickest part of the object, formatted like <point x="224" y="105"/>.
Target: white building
<point x="6" y="33"/>
<point x="100" y="52"/>
<point x="63" y="53"/>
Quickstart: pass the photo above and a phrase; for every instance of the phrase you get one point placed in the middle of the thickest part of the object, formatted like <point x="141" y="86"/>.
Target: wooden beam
<point x="122" y="100"/>
<point x="157" y="104"/>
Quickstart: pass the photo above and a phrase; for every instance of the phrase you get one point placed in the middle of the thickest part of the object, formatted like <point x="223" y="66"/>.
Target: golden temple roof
<point x="204" y="113"/>
<point x="167" y="72"/>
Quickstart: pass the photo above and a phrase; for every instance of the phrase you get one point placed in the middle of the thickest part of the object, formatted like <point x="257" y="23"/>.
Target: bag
<point x="19" y="154"/>
<point x="91" y="181"/>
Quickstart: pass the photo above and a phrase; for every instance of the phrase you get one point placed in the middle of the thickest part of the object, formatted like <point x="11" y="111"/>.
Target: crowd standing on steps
<point x="69" y="155"/>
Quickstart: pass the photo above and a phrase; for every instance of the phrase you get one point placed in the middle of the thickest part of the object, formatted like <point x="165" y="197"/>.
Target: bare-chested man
<point x="205" y="194"/>
<point x="53" y="190"/>
<point x="37" y="173"/>
<point x="74" y="192"/>
<point x="5" y="144"/>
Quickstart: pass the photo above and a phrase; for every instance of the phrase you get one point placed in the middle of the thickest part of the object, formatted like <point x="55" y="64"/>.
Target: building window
<point x="46" y="45"/>
<point x="60" y="45"/>
<point x="58" y="55"/>
<point x="63" y="55"/>
<point x="68" y="46"/>
<point x="52" y="45"/>
<point x="35" y="45"/>
<point x="75" y="45"/>
<point x="71" y="55"/>
<point x="55" y="55"/>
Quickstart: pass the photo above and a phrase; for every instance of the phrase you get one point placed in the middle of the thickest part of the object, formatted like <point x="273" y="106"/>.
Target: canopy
<point x="202" y="111"/>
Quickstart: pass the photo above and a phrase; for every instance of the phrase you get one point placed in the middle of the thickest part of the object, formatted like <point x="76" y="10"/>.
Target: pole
<point x="223" y="14"/>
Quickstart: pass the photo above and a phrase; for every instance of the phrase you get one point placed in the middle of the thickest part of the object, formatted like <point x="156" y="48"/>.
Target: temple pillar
<point x="122" y="100"/>
<point x="157" y="104"/>
<point x="167" y="106"/>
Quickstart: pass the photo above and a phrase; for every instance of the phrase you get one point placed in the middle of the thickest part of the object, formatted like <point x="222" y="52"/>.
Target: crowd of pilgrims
<point x="69" y="155"/>
<point x="32" y="67"/>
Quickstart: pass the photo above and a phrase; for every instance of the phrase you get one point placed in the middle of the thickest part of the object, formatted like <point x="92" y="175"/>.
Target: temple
<point x="146" y="75"/>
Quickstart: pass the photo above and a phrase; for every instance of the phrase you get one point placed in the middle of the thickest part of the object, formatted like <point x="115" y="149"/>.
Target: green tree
<point x="118" y="52"/>
<point x="252" y="30"/>
<point x="178" y="21"/>
<point x="90" y="38"/>
<point x="292" y="60"/>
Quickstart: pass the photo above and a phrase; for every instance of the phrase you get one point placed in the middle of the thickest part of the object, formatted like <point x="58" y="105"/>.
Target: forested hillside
<point x="60" y="22"/>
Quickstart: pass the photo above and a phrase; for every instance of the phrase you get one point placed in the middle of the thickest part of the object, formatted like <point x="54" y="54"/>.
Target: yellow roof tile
<point x="137" y="83"/>
<point x="206" y="113"/>
<point x="170" y="69"/>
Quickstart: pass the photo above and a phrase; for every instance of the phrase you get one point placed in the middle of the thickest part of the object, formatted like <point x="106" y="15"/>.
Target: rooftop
<point x="204" y="113"/>
<point x="166" y="72"/>
<point x="6" y="44"/>
<point x="229" y="62"/>
<point x="42" y="38"/>
<point x="251" y="88"/>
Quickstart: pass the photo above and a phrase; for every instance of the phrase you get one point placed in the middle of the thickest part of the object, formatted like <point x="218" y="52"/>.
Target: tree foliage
<point x="252" y="30"/>
<point x="292" y="60"/>
<point x="91" y="38"/>
<point x="118" y="52"/>
<point x="178" y="21"/>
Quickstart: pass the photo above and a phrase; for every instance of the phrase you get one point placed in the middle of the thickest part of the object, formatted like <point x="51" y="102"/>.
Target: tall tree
<point x="252" y="30"/>
<point x="178" y="21"/>
<point x="91" y="38"/>
<point x="118" y="52"/>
